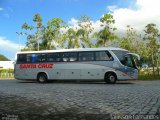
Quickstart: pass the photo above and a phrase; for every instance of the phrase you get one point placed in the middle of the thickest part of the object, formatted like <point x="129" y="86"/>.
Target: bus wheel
<point x="42" y="78"/>
<point x="110" y="78"/>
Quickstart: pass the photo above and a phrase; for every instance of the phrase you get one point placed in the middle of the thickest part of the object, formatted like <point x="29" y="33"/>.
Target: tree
<point x="80" y="36"/>
<point x="27" y="27"/>
<point x="38" y="20"/>
<point x="133" y="42"/>
<point x="72" y="39"/>
<point x="53" y="35"/>
<point x="31" y="40"/>
<point x="151" y="37"/>
<point x="43" y="37"/>
<point x="107" y="33"/>
<point x="34" y="39"/>
<point x="84" y="31"/>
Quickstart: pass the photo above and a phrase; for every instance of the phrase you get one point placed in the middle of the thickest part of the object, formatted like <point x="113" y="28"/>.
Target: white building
<point x="6" y="64"/>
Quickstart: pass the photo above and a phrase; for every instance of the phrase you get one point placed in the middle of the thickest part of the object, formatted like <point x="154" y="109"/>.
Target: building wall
<point x="6" y="64"/>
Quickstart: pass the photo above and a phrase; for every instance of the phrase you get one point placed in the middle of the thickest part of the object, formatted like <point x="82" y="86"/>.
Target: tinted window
<point x="128" y="61"/>
<point x="29" y="58"/>
<point x="34" y="58"/>
<point x="21" y="58"/>
<point x="120" y="55"/>
<point x="24" y="58"/>
<point x="125" y="59"/>
<point x="69" y="57"/>
<point x="53" y="57"/>
<point x="73" y="56"/>
<point x="41" y="57"/>
<point x="103" y="55"/>
<point x="86" y="56"/>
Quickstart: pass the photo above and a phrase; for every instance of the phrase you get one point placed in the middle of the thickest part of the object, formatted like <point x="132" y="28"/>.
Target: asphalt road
<point x="79" y="100"/>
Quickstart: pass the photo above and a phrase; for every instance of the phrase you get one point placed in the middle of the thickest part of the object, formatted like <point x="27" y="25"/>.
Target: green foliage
<point x="80" y="37"/>
<point x="133" y="42"/>
<point x="84" y="31"/>
<point x="51" y="36"/>
<point x="147" y="74"/>
<point x="38" y="19"/>
<point x="148" y="77"/>
<point x="3" y="58"/>
<point x="52" y="33"/>
<point x="84" y="19"/>
<point x="27" y="27"/>
<point x="151" y="38"/>
<point x="107" y="33"/>
<point x="108" y="19"/>
<point x="6" y="71"/>
<point x="72" y="38"/>
<point x="31" y="38"/>
<point x="40" y="37"/>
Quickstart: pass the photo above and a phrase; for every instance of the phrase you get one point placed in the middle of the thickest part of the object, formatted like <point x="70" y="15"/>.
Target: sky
<point x="13" y="13"/>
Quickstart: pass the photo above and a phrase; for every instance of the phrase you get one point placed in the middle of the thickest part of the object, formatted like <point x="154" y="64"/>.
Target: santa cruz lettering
<point x="32" y="66"/>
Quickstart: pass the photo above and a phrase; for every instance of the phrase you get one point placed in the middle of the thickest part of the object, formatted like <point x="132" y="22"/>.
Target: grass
<point x="147" y="74"/>
<point x="149" y="77"/>
<point x="6" y="77"/>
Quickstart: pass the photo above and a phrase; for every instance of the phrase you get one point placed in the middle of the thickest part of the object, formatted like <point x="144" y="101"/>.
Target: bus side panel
<point x="76" y="71"/>
<point x="127" y="73"/>
<point x="19" y="73"/>
<point x="64" y="71"/>
<point x="72" y="74"/>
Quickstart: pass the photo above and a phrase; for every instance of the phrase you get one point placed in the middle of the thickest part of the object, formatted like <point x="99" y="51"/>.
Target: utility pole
<point x="38" y="41"/>
<point x="38" y="36"/>
<point x="19" y="37"/>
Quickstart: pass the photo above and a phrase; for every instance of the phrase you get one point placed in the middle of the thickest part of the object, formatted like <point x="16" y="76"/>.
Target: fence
<point x="6" y="75"/>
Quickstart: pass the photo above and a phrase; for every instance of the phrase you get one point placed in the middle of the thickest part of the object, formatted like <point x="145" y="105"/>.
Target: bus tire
<point x="42" y="78"/>
<point x="110" y="78"/>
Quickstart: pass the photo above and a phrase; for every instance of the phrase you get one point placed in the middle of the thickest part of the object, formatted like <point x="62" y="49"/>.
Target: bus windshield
<point x="126" y="58"/>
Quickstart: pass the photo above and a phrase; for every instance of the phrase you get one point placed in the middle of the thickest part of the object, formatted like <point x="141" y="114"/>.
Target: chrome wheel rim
<point x="112" y="78"/>
<point x="41" y="78"/>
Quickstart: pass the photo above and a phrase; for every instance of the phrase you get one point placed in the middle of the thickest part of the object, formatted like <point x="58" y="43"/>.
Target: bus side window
<point x="29" y="58"/>
<point x="128" y="61"/>
<point x="21" y="58"/>
<point x="34" y="58"/>
<point x="50" y="57"/>
<point x="69" y="57"/>
<point x="73" y="57"/>
<point x="65" y="57"/>
<point x="103" y="56"/>
<point x="109" y="56"/>
<point x="41" y="57"/>
<point x="53" y="57"/>
<point x="86" y="56"/>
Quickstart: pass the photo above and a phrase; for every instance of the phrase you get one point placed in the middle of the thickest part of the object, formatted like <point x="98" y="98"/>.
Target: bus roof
<point x="73" y="50"/>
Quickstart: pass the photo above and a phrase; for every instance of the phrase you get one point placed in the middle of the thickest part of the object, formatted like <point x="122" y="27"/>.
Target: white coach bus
<point x="108" y="64"/>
